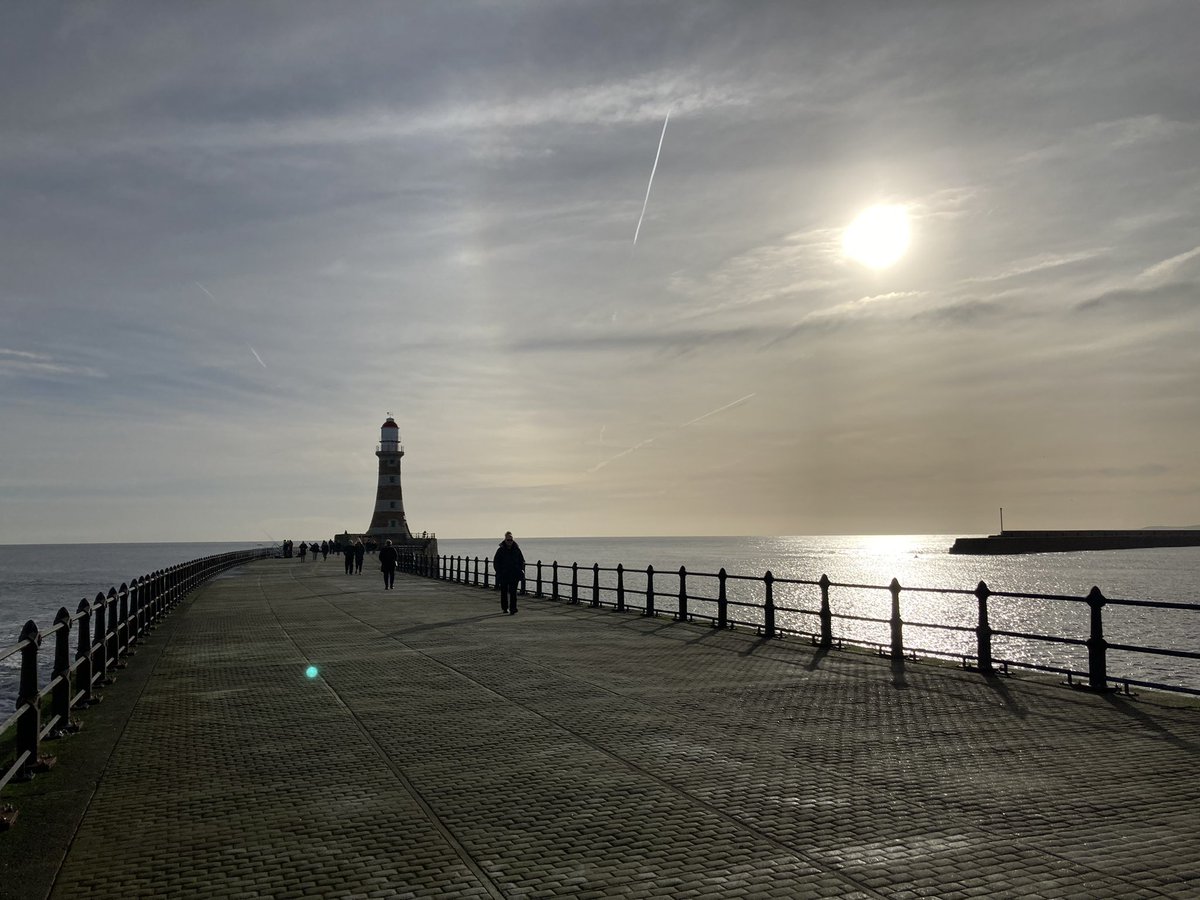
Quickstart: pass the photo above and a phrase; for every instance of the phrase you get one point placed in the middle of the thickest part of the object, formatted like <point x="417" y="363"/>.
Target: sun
<point x="878" y="237"/>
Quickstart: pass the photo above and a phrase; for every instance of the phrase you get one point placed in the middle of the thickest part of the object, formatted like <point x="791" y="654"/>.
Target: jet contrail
<point x="653" y="169"/>
<point x="640" y="444"/>
<point x="256" y="356"/>
<point x="203" y="288"/>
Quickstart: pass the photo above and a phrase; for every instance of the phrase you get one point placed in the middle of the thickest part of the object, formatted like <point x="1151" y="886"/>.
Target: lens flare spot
<point x="311" y="672"/>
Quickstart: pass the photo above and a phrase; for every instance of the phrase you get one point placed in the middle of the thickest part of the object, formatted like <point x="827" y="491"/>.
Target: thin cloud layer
<point x="235" y="237"/>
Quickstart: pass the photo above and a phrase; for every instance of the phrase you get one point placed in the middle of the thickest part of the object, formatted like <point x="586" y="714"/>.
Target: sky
<point x="236" y="236"/>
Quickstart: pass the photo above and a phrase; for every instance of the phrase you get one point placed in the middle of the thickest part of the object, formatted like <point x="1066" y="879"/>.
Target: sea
<point x="35" y="580"/>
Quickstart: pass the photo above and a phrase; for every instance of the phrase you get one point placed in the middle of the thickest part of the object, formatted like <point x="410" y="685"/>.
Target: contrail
<point x="203" y="288"/>
<point x="640" y="444"/>
<point x="256" y="356"/>
<point x="653" y="169"/>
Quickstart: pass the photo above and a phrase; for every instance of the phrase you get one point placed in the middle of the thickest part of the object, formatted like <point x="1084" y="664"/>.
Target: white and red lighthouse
<point x="388" y="522"/>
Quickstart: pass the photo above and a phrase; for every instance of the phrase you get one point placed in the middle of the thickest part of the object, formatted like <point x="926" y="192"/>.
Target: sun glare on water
<point x="878" y="237"/>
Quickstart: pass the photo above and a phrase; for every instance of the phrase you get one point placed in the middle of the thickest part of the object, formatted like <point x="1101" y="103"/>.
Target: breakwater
<point x="1012" y="542"/>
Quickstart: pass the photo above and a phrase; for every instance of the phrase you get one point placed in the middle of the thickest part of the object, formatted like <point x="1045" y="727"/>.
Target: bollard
<point x="722" y="600"/>
<point x="29" y="726"/>
<point x="983" y="631"/>
<point x="649" y="590"/>
<point x="897" y="624"/>
<point x="595" y="584"/>
<point x="682" y="615"/>
<point x="826" y="614"/>
<point x="620" y="588"/>
<point x="1096" y="644"/>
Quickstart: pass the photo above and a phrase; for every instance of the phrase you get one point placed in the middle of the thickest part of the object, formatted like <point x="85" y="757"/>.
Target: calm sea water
<point x="36" y="580"/>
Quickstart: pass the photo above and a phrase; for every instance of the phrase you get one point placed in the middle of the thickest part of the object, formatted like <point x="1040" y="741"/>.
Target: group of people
<point x="509" y="564"/>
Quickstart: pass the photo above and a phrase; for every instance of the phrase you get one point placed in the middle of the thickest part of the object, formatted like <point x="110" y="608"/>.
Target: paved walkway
<point x="446" y="750"/>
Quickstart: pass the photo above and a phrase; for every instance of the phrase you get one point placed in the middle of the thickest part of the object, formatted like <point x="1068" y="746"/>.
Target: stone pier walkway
<point x="446" y="750"/>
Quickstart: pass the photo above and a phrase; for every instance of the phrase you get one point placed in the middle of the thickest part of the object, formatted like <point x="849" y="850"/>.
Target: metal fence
<point x="751" y="601"/>
<point x="108" y="629"/>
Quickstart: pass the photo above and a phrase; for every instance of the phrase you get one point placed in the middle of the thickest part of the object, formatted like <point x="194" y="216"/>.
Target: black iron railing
<point x="108" y="629"/>
<point x="750" y="601"/>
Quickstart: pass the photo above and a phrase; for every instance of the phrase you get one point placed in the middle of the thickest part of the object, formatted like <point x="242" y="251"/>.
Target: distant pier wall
<point x="1011" y="542"/>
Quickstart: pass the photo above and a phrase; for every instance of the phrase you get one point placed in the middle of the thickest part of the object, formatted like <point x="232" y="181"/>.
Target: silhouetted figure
<point x="348" y="558"/>
<point x="324" y="549"/>
<point x="510" y="566"/>
<point x="359" y="552"/>
<point x="316" y="550"/>
<point x="303" y="550"/>
<point x="387" y="563"/>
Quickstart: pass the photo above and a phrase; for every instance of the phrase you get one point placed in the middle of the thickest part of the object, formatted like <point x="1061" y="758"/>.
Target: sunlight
<point x="878" y="236"/>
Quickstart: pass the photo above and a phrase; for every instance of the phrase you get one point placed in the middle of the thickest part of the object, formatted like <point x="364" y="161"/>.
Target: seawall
<point x="1068" y="541"/>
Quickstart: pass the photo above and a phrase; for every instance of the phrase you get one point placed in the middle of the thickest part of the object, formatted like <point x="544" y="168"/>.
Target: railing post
<point x="60" y="702"/>
<point x="649" y="590"/>
<point x="113" y="644"/>
<point x="575" y="582"/>
<point x="682" y="615"/>
<point x="123" y="619"/>
<point x="896" y="623"/>
<point x="83" y="652"/>
<point x="722" y="600"/>
<point x="487" y="567"/>
<point x="1096" y="644"/>
<point x="29" y="726"/>
<point x="100" y="641"/>
<point x="554" y="580"/>
<point x="769" y="605"/>
<point x="620" y="588"/>
<point x="983" y="631"/>
<point x="539" y="579"/>
<point x="595" y="584"/>
<point x="826" y="614"/>
<point x="476" y="583"/>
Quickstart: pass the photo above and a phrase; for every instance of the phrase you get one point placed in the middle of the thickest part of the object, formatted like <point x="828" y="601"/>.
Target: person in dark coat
<point x="359" y="552"/>
<point x="510" y="567"/>
<point x="348" y="558"/>
<point x="303" y="550"/>
<point x="387" y="562"/>
<point x="324" y="549"/>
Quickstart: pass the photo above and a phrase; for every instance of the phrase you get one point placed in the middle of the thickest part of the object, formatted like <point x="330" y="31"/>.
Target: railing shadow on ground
<point x="109" y="629"/>
<point x="749" y="602"/>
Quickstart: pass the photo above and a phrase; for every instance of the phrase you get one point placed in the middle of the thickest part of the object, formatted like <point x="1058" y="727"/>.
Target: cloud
<point x="42" y="365"/>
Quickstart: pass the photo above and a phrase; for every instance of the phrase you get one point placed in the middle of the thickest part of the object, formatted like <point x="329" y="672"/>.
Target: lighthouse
<point x="388" y="522"/>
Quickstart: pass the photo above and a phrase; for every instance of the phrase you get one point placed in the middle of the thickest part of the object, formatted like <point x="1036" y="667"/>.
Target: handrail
<point x="561" y="582"/>
<point x="123" y="617"/>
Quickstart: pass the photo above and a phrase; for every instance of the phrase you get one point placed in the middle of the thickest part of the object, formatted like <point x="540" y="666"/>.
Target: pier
<point x="445" y="750"/>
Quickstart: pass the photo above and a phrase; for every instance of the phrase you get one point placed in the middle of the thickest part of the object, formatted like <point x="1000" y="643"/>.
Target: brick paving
<point x="446" y="750"/>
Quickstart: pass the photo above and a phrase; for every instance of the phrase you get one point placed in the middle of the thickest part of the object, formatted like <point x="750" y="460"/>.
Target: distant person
<point x="387" y="564"/>
<point x="303" y="550"/>
<point x="510" y="566"/>
<point x="359" y="552"/>
<point x="316" y="550"/>
<point x="324" y="549"/>
<point x="348" y="558"/>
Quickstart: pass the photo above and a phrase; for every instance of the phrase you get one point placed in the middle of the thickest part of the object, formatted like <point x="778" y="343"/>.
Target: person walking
<point x="324" y="550"/>
<point x="359" y="552"/>
<point x="510" y="566"/>
<point x="303" y="550"/>
<point x="348" y="558"/>
<point x="387" y="563"/>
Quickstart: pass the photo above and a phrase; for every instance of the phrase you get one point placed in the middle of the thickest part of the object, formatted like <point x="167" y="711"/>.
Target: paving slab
<point x="448" y="750"/>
